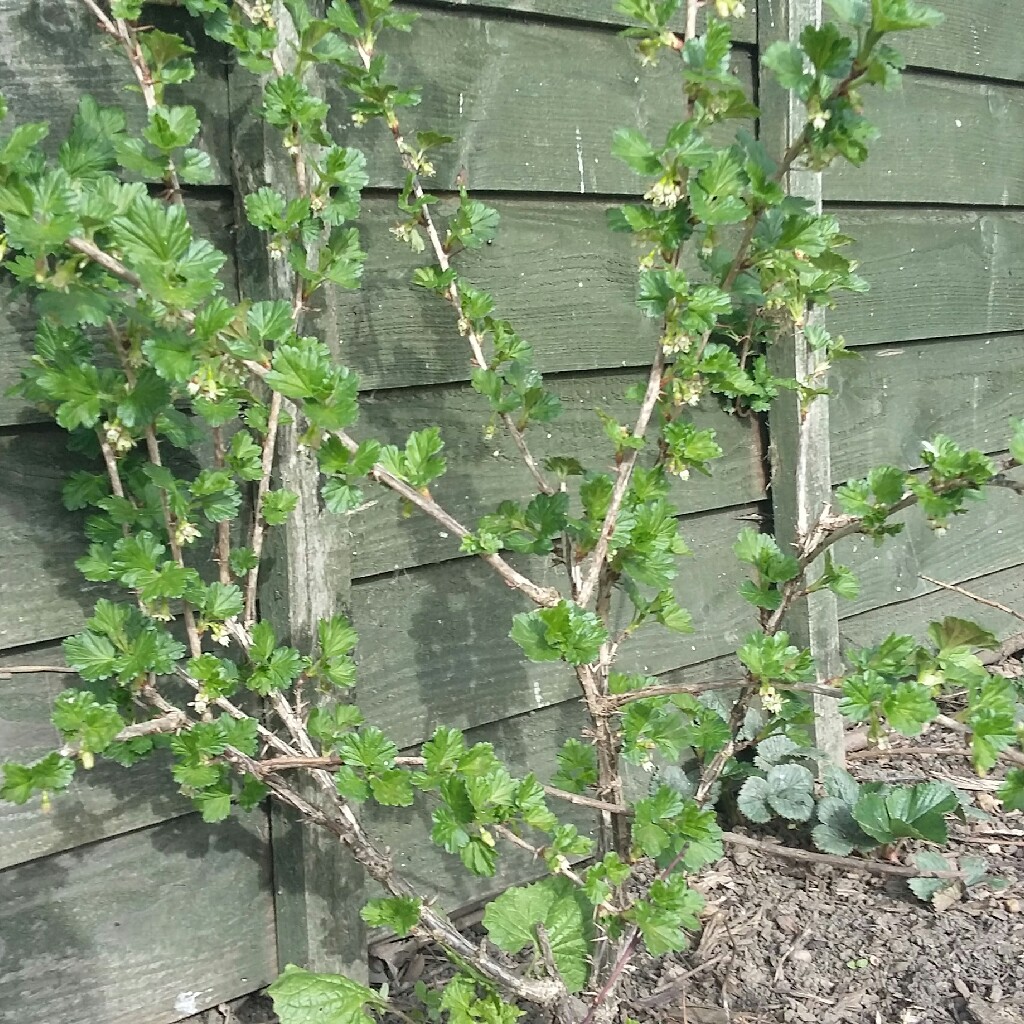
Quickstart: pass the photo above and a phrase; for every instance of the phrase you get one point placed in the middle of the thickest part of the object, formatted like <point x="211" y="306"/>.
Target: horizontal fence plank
<point x="42" y="595"/>
<point x="933" y="274"/>
<point x="913" y="617"/>
<point x="434" y="646"/>
<point x="599" y="12"/>
<point x="567" y="283"/>
<point x="52" y="53"/>
<point x="212" y="218"/>
<point x="150" y="926"/>
<point x="988" y="539"/>
<point x="981" y="37"/>
<point x="104" y="802"/>
<point x="943" y="140"/>
<point x="532" y="106"/>
<point x="885" y="404"/>
<point x="482" y="472"/>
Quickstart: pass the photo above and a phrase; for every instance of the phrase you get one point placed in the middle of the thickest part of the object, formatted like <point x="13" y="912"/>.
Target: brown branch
<point x="871" y="867"/>
<point x="124" y="34"/>
<point x="671" y="689"/>
<point x="544" y="596"/>
<point x="988" y="602"/>
<point x="623" y="478"/>
<point x="258" y="523"/>
<point x="453" y="296"/>
<point x="223" y="552"/>
<point x="378" y="864"/>
<point x="32" y="670"/>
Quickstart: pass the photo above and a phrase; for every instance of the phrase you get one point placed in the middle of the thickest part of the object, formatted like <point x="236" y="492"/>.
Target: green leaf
<point x="511" y="921"/>
<point x="577" y="766"/>
<point x="914" y="812"/>
<point x="909" y="707"/>
<point x="278" y="506"/>
<point x="663" y="919"/>
<point x="790" y="791"/>
<point x="953" y="632"/>
<point x="302" y="997"/>
<point x="1012" y="790"/>
<point x="635" y="151"/>
<point x="752" y="800"/>
<point x="786" y="62"/>
<point x="48" y="775"/>
<point x="399" y="913"/>
<point x="565" y="631"/>
<point x="929" y="860"/>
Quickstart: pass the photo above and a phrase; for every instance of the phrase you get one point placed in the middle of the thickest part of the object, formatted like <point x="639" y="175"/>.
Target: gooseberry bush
<point x="180" y="401"/>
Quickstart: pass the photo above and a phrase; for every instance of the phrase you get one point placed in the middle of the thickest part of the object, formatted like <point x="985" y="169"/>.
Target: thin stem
<point x="32" y="670"/>
<point x="223" y="552"/>
<point x="623" y="478"/>
<point x="988" y="602"/>
<point x="670" y="689"/>
<point x="258" y="523"/>
<point x="120" y="30"/>
<point x="871" y="867"/>
<point x="453" y="296"/>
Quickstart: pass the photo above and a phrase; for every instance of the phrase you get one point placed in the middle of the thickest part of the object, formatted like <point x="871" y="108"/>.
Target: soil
<point x="791" y="942"/>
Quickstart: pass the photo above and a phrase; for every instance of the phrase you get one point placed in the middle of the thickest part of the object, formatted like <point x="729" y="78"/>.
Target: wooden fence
<point x="120" y="905"/>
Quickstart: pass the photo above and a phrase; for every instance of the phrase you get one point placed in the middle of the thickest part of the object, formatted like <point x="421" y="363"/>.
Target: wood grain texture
<point x="52" y="53"/>
<point x="894" y="397"/>
<point x="42" y="596"/>
<point x="434" y="646"/>
<point x="800" y="450"/>
<point x="933" y="274"/>
<point x="566" y="282"/>
<point x="107" y="801"/>
<point x="212" y="218"/>
<point x="599" y="12"/>
<point x="977" y="38"/>
<point x="148" y="927"/>
<point x="483" y="472"/>
<point x="943" y="140"/>
<point x="988" y="539"/>
<point x="532" y="106"/>
<point x="306" y="571"/>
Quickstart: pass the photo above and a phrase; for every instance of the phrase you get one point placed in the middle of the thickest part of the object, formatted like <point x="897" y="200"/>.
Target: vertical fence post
<point x="801" y="471"/>
<point x="318" y="887"/>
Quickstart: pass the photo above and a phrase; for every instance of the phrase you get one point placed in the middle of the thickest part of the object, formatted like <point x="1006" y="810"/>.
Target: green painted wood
<point x="107" y="801"/>
<point x="434" y="646"/>
<point x="212" y="218"/>
<point x="532" y="106"/>
<point x="980" y="37"/>
<point x="943" y="140"/>
<point x="148" y="927"/>
<point x="307" y="568"/>
<point x="894" y="397"/>
<point x="933" y="274"/>
<point x="988" y="539"/>
<point x="482" y="472"/>
<point x="600" y="12"/>
<point x="801" y="469"/>
<point x="566" y="282"/>
<point x="52" y="53"/>
<point x="913" y="617"/>
<point x="42" y="597"/>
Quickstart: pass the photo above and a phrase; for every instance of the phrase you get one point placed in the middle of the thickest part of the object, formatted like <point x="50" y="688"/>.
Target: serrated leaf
<point x="511" y="921"/>
<point x="399" y="913"/>
<point x="303" y="997"/>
